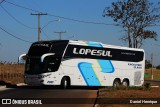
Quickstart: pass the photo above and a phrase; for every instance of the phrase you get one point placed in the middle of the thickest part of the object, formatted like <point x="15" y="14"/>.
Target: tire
<point x="64" y="83"/>
<point x="116" y="83"/>
<point x="125" y="83"/>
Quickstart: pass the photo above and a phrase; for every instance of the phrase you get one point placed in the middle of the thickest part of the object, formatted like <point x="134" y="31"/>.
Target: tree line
<point x="148" y="65"/>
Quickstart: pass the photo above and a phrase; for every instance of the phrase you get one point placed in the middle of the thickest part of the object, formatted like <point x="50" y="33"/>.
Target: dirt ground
<point x="130" y="93"/>
<point x="132" y="97"/>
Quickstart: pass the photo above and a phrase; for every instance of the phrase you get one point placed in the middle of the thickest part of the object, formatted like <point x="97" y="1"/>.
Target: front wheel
<point x="64" y="83"/>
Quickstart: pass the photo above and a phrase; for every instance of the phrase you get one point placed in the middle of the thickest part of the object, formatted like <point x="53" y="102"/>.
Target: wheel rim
<point x="65" y="84"/>
<point x="125" y="83"/>
<point x="116" y="84"/>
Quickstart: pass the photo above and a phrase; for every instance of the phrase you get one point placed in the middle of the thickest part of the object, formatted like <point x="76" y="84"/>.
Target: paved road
<point x="50" y="96"/>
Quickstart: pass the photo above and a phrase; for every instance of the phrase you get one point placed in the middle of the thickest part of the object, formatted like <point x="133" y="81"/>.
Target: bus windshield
<point x="50" y="63"/>
<point x="38" y="49"/>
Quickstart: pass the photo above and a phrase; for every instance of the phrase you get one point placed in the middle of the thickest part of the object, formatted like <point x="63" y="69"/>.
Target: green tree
<point x="148" y="64"/>
<point x="158" y="67"/>
<point x="135" y="16"/>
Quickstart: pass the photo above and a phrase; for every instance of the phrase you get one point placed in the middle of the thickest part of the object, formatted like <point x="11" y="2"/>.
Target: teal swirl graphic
<point x="87" y="69"/>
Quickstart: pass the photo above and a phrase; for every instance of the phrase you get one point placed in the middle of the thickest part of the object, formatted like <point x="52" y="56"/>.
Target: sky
<point x="16" y="19"/>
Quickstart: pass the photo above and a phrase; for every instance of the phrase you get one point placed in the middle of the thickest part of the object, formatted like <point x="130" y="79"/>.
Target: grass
<point x="11" y="73"/>
<point x="156" y="74"/>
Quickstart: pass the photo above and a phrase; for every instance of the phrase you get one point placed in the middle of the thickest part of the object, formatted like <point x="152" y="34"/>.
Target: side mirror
<point x="22" y="57"/>
<point x="45" y="55"/>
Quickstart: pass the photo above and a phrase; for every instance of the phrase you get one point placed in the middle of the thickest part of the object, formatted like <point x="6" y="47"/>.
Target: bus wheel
<point x="64" y="83"/>
<point x="116" y="83"/>
<point x="125" y="83"/>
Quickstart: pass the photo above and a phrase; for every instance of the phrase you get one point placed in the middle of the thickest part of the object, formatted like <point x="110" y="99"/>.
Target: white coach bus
<point x="83" y="63"/>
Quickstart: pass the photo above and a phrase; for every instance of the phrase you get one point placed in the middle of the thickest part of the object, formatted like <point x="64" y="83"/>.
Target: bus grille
<point x="137" y="78"/>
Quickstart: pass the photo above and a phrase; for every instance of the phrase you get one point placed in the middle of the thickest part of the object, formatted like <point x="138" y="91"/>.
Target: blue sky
<point x="85" y="10"/>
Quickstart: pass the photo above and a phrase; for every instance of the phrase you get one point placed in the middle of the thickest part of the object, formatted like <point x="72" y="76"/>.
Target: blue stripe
<point x="106" y="65"/>
<point x="88" y="74"/>
<point x="94" y="44"/>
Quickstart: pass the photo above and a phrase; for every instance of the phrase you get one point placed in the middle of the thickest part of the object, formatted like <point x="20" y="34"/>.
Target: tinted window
<point x="77" y="51"/>
<point x="50" y="63"/>
<point x="58" y="48"/>
<point x="38" y="49"/>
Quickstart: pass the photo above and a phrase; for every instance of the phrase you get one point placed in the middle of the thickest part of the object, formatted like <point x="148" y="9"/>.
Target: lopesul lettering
<point x="93" y="52"/>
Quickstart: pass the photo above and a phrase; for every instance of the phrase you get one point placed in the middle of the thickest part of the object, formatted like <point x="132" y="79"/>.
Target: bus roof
<point x="92" y="43"/>
<point x="82" y="42"/>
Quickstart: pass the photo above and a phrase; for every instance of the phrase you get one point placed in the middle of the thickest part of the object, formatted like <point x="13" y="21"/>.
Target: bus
<point x="83" y="63"/>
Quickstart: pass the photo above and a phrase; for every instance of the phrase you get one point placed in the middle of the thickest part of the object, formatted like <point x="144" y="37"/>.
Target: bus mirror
<point x="45" y="55"/>
<point x="22" y="57"/>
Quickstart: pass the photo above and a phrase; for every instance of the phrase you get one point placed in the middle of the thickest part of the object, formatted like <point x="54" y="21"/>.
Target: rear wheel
<point x="116" y="83"/>
<point x="125" y="83"/>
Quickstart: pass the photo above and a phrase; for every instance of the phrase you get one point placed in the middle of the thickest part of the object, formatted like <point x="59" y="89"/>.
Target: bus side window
<point x="53" y="64"/>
